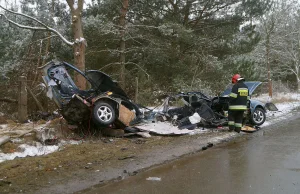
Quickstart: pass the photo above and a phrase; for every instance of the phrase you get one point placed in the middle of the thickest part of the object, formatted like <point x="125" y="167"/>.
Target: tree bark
<point x="22" y="101"/>
<point x="268" y="66"/>
<point x="124" y="11"/>
<point x="80" y="42"/>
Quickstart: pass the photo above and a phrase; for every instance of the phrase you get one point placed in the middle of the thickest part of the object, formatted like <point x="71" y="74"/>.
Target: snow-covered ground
<point x="17" y="132"/>
<point x="286" y="103"/>
<point x="27" y="150"/>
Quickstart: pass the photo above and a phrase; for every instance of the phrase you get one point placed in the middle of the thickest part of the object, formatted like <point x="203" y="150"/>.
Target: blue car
<point x="214" y="111"/>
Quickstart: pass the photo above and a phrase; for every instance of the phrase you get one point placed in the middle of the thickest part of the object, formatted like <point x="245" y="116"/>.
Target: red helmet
<point x="235" y="78"/>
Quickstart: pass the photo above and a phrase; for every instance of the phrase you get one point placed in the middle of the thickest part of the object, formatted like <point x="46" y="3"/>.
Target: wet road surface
<point x="267" y="161"/>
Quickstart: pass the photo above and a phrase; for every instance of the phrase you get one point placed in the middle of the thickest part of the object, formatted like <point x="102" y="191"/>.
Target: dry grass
<point x="283" y="99"/>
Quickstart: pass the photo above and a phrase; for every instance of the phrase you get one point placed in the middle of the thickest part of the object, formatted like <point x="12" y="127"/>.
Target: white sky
<point x="5" y="2"/>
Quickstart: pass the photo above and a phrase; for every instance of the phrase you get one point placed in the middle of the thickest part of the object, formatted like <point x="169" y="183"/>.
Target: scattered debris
<point x="153" y="179"/>
<point x="126" y="157"/>
<point x="210" y="144"/>
<point x="248" y="129"/>
<point x="133" y="173"/>
<point x="3" y="182"/>
<point x="48" y="136"/>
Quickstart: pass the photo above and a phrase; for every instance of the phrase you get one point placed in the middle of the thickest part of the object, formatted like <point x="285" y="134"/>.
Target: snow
<point x="75" y="5"/>
<point x="166" y="128"/>
<point x="25" y="150"/>
<point x="29" y="151"/>
<point x="81" y="39"/>
<point x="289" y="102"/>
<point x="37" y="150"/>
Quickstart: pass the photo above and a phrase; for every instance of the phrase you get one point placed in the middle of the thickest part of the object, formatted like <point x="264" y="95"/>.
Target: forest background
<point x="157" y="46"/>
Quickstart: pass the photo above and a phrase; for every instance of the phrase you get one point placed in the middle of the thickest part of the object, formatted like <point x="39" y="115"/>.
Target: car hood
<point x="252" y="85"/>
<point x="104" y="82"/>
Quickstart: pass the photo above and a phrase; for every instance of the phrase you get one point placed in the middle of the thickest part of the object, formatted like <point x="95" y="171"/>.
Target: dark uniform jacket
<point x="239" y="96"/>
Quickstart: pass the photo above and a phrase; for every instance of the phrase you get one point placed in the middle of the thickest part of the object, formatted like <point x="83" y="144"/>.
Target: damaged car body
<point x="104" y="102"/>
<point x="212" y="111"/>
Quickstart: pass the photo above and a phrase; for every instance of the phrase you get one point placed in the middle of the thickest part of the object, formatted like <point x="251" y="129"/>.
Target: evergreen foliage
<point x="171" y="45"/>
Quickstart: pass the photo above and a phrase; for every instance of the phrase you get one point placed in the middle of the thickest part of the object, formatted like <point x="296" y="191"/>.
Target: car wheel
<point x="104" y="113"/>
<point x="258" y="117"/>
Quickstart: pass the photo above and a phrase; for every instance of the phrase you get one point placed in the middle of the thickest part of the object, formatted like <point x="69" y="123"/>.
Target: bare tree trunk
<point x="80" y="43"/>
<point x="124" y="11"/>
<point x="187" y="12"/>
<point x="136" y="89"/>
<point x="22" y="100"/>
<point x="268" y="65"/>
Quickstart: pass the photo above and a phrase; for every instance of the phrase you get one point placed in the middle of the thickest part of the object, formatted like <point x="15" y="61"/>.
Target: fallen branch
<point x="24" y="133"/>
<point x="8" y="100"/>
<point x="4" y="139"/>
<point x="38" y="103"/>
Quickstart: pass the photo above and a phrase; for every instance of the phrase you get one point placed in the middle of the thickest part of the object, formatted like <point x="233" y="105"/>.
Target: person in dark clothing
<point x="238" y="100"/>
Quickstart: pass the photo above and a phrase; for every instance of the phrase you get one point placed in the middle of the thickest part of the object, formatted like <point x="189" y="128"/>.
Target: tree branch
<point x="8" y="100"/>
<point x="24" y="15"/>
<point x="71" y="4"/>
<point x="138" y="67"/>
<point x="45" y="28"/>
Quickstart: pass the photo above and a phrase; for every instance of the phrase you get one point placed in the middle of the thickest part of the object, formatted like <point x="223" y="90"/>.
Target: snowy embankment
<point x="284" y="102"/>
<point x="22" y="147"/>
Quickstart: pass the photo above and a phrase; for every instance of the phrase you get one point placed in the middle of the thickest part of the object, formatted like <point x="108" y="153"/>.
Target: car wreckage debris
<point x="105" y="104"/>
<point x="47" y="136"/>
<point x="153" y="179"/>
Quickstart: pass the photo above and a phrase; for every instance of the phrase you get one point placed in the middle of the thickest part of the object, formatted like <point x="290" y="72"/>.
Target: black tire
<point x="258" y="117"/>
<point x="104" y="113"/>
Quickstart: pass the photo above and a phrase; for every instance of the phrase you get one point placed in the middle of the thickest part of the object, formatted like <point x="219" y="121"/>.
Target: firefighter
<point x="238" y="100"/>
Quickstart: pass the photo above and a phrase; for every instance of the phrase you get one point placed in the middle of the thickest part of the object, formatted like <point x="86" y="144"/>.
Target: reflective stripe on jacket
<point x="239" y="96"/>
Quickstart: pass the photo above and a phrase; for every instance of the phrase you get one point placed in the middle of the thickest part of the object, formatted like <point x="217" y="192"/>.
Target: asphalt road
<point x="267" y="161"/>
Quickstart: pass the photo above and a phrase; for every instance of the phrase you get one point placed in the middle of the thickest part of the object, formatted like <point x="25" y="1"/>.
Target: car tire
<point x="104" y="114"/>
<point x="258" y="117"/>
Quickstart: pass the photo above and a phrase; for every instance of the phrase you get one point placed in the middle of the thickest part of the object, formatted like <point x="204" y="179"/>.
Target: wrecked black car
<point x="104" y="101"/>
<point x="213" y="111"/>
